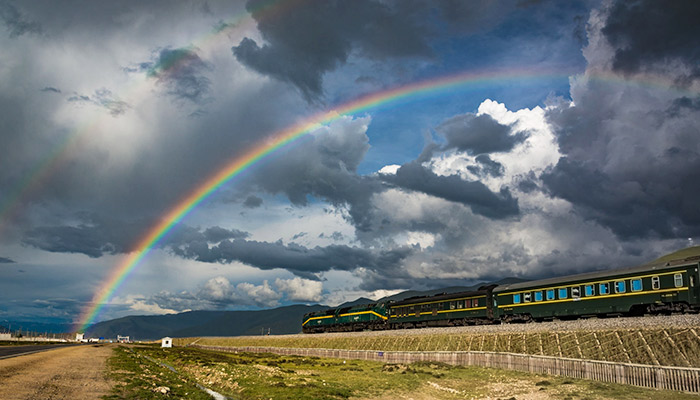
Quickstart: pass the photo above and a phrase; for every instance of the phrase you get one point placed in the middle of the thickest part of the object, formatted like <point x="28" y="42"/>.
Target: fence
<point x="651" y="376"/>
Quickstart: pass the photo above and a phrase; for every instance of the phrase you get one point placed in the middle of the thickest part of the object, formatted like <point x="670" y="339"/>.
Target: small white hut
<point x="166" y="342"/>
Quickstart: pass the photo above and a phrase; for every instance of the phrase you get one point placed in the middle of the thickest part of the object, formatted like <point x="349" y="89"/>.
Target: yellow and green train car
<point x="355" y="318"/>
<point x="463" y="308"/>
<point x="662" y="288"/>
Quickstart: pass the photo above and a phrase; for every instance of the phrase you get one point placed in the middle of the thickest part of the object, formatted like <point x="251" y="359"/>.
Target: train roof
<point x="439" y="297"/>
<point x="600" y="274"/>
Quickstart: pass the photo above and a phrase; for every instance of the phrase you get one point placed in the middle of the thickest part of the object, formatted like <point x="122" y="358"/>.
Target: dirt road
<point x="66" y="373"/>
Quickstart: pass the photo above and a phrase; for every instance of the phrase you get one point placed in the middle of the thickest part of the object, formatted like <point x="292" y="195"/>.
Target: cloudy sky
<point x="571" y="143"/>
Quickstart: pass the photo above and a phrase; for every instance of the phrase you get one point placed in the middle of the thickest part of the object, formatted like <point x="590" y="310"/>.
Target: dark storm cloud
<point x="649" y="32"/>
<point x="633" y="206"/>
<point x="253" y="201"/>
<point x="87" y="240"/>
<point x="181" y="72"/>
<point x="325" y="167"/>
<point x="317" y="36"/>
<point x="472" y="194"/>
<point x="15" y="22"/>
<point x="295" y="258"/>
<point x="98" y="236"/>
<point x="473" y="15"/>
<point x="216" y="234"/>
<point x="5" y="260"/>
<point x="479" y="134"/>
<point x="95" y="237"/>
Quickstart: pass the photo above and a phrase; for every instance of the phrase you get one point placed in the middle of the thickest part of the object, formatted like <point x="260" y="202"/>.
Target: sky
<point x="549" y="138"/>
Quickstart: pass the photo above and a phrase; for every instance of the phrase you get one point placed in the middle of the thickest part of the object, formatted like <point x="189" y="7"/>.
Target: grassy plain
<point x="248" y="376"/>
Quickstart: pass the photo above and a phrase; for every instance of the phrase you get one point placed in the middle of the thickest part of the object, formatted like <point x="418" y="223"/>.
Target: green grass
<point x="137" y="377"/>
<point x="248" y="376"/>
<point x="678" y="255"/>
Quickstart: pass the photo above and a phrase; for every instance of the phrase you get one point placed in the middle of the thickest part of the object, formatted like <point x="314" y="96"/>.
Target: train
<point x="657" y="288"/>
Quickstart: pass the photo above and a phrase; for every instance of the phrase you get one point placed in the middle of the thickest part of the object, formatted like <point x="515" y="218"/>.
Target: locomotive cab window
<point x="563" y="293"/>
<point x="636" y="285"/>
<point x="603" y="288"/>
<point x="589" y="290"/>
<point x="655" y="283"/>
<point x="550" y="294"/>
<point x="678" y="280"/>
<point x="538" y="295"/>
<point x="576" y="292"/>
<point x="620" y="287"/>
<point x="526" y="297"/>
<point x="516" y="298"/>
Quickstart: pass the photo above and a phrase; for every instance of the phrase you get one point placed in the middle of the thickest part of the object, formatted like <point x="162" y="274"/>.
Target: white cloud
<point x="298" y="289"/>
<point x="262" y="295"/>
<point x="389" y="169"/>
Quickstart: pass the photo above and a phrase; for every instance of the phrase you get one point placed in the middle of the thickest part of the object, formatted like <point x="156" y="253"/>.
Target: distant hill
<point x="689" y="252"/>
<point x="283" y="320"/>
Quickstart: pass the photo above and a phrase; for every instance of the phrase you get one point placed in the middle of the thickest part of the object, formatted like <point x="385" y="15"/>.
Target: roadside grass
<point x="670" y="347"/>
<point x="137" y="377"/>
<point x="249" y="376"/>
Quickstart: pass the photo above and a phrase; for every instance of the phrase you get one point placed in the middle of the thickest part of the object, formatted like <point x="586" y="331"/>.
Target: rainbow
<point x="277" y="140"/>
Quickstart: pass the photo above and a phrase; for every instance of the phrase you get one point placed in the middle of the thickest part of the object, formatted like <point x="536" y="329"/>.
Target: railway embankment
<point x="654" y="340"/>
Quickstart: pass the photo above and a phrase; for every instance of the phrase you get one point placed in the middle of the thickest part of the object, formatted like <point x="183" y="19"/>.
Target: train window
<point x="526" y="297"/>
<point x="516" y="298"/>
<point x="620" y="287"/>
<point x="589" y="290"/>
<point x="636" y="285"/>
<point x="563" y="293"/>
<point x="692" y="280"/>
<point x="678" y="280"/>
<point x="452" y="305"/>
<point x="550" y="294"/>
<point x="460" y="304"/>
<point x="655" y="283"/>
<point x="538" y="295"/>
<point x="604" y="288"/>
<point x="576" y="291"/>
